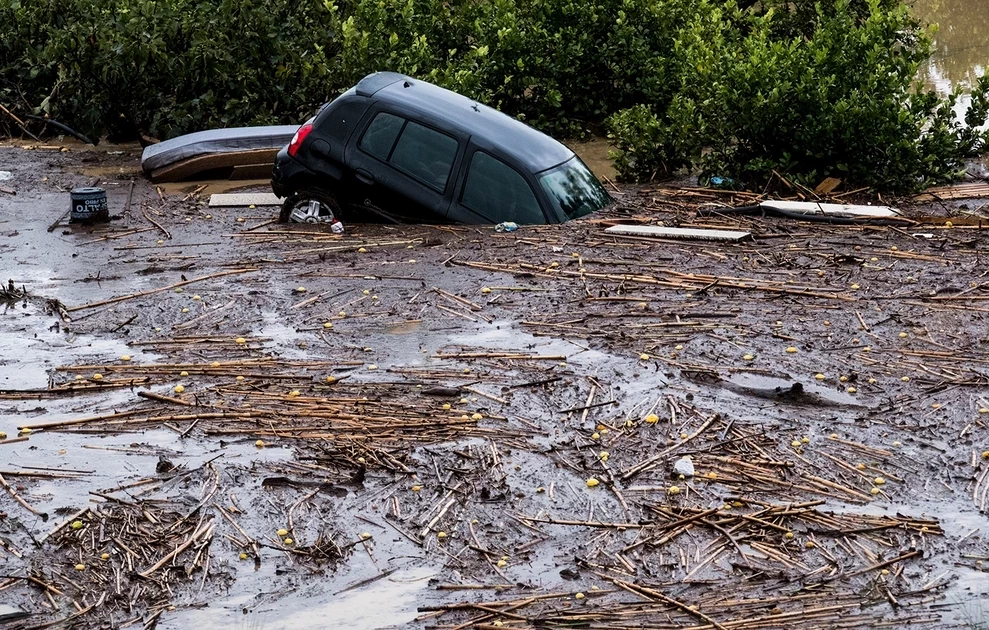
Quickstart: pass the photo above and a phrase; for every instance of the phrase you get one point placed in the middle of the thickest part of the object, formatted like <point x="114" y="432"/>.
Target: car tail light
<point x="300" y="135"/>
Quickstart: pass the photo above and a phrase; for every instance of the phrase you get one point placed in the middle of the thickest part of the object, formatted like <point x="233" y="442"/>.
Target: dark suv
<point x="400" y="149"/>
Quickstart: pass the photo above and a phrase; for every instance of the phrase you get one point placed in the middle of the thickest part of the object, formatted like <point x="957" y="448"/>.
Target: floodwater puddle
<point x="384" y="603"/>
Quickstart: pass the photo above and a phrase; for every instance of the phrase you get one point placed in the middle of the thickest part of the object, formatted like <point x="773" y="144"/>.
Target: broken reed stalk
<point x="159" y="290"/>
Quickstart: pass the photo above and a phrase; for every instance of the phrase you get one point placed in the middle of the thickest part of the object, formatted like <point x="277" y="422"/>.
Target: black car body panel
<point x="406" y="149"/>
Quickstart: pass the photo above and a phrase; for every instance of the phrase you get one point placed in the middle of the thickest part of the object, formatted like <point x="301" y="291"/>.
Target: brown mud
<point x="432" y="402"/>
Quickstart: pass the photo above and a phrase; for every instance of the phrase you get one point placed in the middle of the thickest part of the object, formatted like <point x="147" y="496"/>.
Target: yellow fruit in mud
<point x="362" y="250"/>
<point x="365" y="535"/>
<point x="342" y="314"/>
<point x="3" y="435"/>
<point x="879" y="481"/>
<point x="259" y="444"/>
<point x="282" y="533"/>
<point x="183" y="373"/>
<point x="185" y="310"/>
<point x="105" y="556"/>
<point x="196" y="297"/>
<point x="579" y="596"/>
<point x="925" y="529"/>
<point x="300" y="289"/>
<point x="241" y="219"/>
<point x="592" y="482"/>
<point x="80" y="567"/>
<point x="791" y="350"/>
<point x="288" y="541"/>
<point x="208" y="216"/>
<point x="447" y="406"/>
<point x="905" y="379"/>
<point x="412" y="261"/>
<point x="827" y="323"/>
<point x="644" y="357"/>
<point x="985" y="454"/>
<point x="486" y="290"/>
<point x="788" y="535"/>
<point x="673" y="490"/>
<point x="466" y="370"/>
<point x="652" y="419"/>
<point x="159" y="242"/>
<point x="498" y="623"/>
<point x="678" y="347"/>
<point x="748" y="357"/>
<point x="805" y="440"/>
<point x="540" y="490"/>
<point x="554" y="265"/>
<point x="240" y="340"/>
<point x="712" y="475"/>
<point x="476" y="416"/>
<point x="874" y="491"/>
<point x="125" y="357"/>
<point x="179" y="389"/>
<point x="843" y="379"/>
<point x="855" y="286"/>
<point x="416" y="488"/>
<point x="77" y="525"/>
<point x="810" y="544"/>
<point x="239" y="378"/>
<point x="441" y="535"/>
<point x="97" y="377"/>
<point x="867" y="349"/>
<point x="603" y="456"/>
<point x="595" y="436"/>
<point x="872" y="381"/>
<point x="294" y="393"/>
<point x="737" y="504"/>
<point x="819" y="377"/>
<point x="502" y="563"/>
<point x="684" y="436"/>
<point x="948" y="224"/>
<point x="327" y="325"/>
<point x="983" y="410"/>
<point x="215" y="364"/>
<point x="852" y="390"/>
<point x="372" y="367"/>
<point x="897" y="443"/>
<point x="25" y="431"/>
<point x="795" y="444"/>
<point x="331" y="379"/>
<point x="178" y="290"/>
<point x="903" y="335"/>
<point x="243" y="556"/>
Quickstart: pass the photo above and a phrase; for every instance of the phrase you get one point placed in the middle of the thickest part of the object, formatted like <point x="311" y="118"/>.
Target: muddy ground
<point x="449" y="427"/>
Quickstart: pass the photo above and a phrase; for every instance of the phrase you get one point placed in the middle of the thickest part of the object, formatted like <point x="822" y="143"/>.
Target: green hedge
<point x="834" y="97"/>
<point x="808" y="89"/>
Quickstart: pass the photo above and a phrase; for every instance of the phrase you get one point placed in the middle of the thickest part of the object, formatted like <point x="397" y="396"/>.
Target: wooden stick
<point x="159" y="290"/>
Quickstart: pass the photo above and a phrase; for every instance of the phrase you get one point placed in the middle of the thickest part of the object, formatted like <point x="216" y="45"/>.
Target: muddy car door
<point x="492" y="190"/>
<point x="402" y="167"/>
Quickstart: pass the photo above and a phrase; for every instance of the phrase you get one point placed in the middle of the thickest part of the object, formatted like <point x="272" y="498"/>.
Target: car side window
<point x="497" y="190"/>
<point x="380" y="136"/>
<point x="343" y="118"/>
<point x="425" y="154"/>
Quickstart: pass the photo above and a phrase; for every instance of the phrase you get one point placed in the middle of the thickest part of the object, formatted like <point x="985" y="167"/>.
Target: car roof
<point x="532" y="148"/>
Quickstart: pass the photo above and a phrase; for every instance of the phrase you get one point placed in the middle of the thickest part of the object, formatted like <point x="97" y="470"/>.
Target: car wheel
<point x="310" y="206"/>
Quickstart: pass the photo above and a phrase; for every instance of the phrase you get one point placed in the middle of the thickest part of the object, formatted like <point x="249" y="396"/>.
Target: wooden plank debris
<point x="833" y="209"/>
<point x="228" y="200"/>
<point x="656" y="231"/>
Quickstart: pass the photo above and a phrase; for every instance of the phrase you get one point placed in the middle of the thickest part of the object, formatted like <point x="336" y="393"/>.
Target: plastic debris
<point x="507" y="226"/>
<point x="684" y="466"/>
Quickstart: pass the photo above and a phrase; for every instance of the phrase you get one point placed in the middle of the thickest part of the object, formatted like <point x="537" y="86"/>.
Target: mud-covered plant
<point x="839" y="99"/>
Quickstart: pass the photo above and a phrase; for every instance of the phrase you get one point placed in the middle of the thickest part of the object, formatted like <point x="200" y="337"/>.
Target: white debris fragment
<point x="684" y="466"/>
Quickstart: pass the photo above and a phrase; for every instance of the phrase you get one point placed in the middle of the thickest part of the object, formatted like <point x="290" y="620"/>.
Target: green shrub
<point x="836" y="100"/>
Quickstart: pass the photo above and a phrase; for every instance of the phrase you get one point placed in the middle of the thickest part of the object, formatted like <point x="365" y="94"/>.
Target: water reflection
<point x="961" y="42"/>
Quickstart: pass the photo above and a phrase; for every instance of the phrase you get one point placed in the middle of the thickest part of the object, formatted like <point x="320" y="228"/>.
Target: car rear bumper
<point x="288" y="174"/>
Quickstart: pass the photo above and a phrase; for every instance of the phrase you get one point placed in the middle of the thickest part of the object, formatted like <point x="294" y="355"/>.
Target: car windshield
<point x="572" y="188"/>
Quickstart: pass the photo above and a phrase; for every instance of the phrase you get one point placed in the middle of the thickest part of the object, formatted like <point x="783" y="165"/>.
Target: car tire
<point x="310" y="206"/>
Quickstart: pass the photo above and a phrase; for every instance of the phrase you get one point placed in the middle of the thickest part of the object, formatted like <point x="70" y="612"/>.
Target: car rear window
<point x="425" y="154"/>
<point x="380" y="135"/>
<point x="574" y="189"/>
<point x="497" y="190"/>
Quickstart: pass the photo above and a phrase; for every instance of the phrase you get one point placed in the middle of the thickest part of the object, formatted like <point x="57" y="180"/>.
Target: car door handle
<point x="364" y="176"/>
